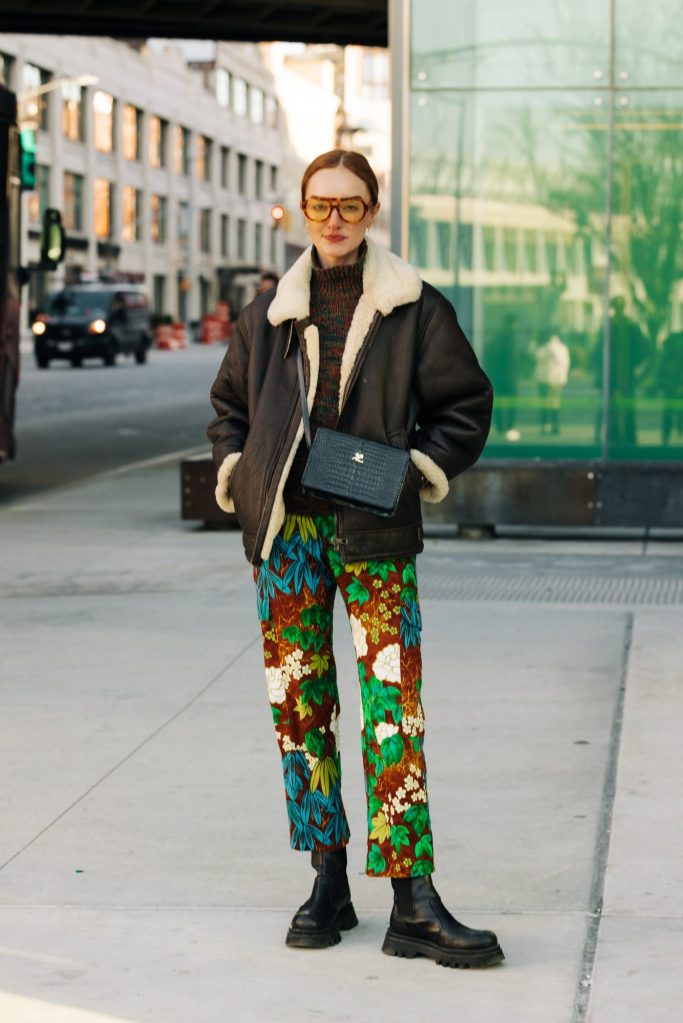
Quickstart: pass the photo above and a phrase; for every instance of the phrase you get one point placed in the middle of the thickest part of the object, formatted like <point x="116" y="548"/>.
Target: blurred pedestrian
<point x="551" y="374"/>
<point x="669" y="377"/>
<point x="267" y="281"/>
<point x="503" y="362"/>
<point x="385" y="360"/>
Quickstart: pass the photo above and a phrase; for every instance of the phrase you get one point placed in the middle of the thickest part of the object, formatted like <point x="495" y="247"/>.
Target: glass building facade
<point x="544" y="198"/>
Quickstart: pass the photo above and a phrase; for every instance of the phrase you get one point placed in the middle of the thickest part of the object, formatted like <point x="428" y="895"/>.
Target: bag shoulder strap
<point x="302" y="394"/>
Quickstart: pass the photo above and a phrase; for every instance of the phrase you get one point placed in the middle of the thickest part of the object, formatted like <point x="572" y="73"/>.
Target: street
<point x="75" y="423"/>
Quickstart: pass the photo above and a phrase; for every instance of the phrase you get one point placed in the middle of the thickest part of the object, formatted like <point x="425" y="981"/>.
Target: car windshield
<point x="71" y="302"/>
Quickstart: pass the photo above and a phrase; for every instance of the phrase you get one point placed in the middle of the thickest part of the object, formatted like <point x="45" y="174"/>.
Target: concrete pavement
<point x="145" y="871"/>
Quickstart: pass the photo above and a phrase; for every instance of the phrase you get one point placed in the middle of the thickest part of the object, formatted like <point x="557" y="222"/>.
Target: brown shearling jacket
<point x="409" y="377"/>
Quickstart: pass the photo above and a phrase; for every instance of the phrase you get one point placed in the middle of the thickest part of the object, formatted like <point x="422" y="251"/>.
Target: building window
<point x="73" y="202"/>
<point x="258" y="243"/>
<point x="159" y="296"/>
<point x="225" y="234"/>
<point x="6" y="65"/>
<point x="183" y="222"/>
<point x="258" y="179"/>
<point x="205" y="230"/>
<point x="240" y="97"/>
<point x="271" y="113"/>
<point x="241" y="174"/>
<point x="73" y="120"/>
<point x="131" y="208"/>
<point x="103" y="110"/>
<point x="225" y="167"/>
<point x="37" y="108"/>
<point x="181" y="150"/>
<point x="241" y="239"/>
<point x="204" y="295"/>
<point x="375" y="75"/>
<point x="39" y="200"/>
<point x="158" y="133"/>
<point x="158" y="219"/>
<point x="132" y="132"/>
<point x="204" y="153"/>
<point x="222" y="87"/>
<point x="256" y="105"/>
<point x="103" y="195"/>
<point x="273" y="179"/>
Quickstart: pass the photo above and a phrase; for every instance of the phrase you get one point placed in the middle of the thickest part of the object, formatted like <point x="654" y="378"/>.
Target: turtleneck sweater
<point x="335" y="292"/>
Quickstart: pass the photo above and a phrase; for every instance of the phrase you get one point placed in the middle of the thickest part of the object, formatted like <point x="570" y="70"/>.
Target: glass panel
<point x="493" y="43"/>
<point x="646" y="310"/>
<point x="649" y="43"/>
<point x="507" y="219"/>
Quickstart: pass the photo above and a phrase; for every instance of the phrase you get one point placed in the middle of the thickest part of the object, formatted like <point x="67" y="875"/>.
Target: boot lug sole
<point x="410" y="948"/>
<point x="325" y="937"/>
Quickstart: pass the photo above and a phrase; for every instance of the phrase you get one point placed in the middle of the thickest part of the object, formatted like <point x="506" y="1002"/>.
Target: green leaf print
<point x="316" y="615"/>
<point x="422" y="867"/>
<point x="374" y="804"/>
<point x="320" y="663"/>
<point x="399" y="837"/>
<point x="307" y="639"/>
<point x="292" y="634"/>
<point x="409" y="575"/>
<point x="277" y="714"/>
<point x="417" y="817"/>
<point x="362" y="674"/>
<point x="380" y="699"/>
<point x="357" y="592"/>
<point x="335" y="563"/>
<point x="315" y="743"/>
<point x="314" y="689"/>
<point x="392" y="749"/>
<point x="424" y="846"/>
<point x="376" y="862"/>
<point x="408" y="593"/>
<point x="417" y="743"/>
<point x="382" y="568"/>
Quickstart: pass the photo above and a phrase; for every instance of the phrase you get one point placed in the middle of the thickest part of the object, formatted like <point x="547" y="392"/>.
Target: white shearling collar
<point x="388" y="282"/>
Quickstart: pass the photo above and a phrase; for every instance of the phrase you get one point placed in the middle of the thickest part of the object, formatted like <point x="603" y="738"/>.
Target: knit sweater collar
<point x="337" y="277"/>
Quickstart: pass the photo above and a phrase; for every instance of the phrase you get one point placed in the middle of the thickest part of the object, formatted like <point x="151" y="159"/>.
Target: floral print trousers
<point x="296" y="587"/>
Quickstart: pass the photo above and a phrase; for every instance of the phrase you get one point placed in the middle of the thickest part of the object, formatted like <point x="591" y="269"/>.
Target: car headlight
<point x="38" y="327"/>
<point x="97" y="327"/>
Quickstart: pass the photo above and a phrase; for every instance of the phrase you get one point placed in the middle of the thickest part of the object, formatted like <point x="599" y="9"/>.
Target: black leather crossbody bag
<point x="350" y="470"/>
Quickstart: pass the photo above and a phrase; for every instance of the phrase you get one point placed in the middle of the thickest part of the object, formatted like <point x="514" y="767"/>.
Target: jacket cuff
<point x="227" y="466"/>
<point x="437" y="481"/>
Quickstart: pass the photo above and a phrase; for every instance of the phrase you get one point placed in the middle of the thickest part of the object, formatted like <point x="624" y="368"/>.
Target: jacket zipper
<point x="339" y="542"/>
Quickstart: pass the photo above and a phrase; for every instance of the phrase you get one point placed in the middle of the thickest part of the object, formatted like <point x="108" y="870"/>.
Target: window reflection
<point x="501" y="202"/>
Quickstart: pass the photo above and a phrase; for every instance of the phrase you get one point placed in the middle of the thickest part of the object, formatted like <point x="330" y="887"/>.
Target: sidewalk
<point x="146" y="875"/>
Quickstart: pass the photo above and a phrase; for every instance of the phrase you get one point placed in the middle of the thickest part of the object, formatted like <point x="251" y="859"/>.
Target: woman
<point x="385" y="360"/>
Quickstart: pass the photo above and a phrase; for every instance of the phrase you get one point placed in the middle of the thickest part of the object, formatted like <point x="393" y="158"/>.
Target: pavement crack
<point x="604" y="831"/>
<point x="152" y="735"/>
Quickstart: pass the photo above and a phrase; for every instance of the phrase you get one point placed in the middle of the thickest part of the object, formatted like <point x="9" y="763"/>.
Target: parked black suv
<point x="96" y="320"/>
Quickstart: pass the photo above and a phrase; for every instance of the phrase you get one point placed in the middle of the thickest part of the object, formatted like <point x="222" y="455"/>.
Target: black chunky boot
<point x="421" y="925"/>
<point x="329" y="910"/>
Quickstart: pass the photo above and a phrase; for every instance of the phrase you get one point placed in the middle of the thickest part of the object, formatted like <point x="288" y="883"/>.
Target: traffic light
<point x="52" y="241"/>
<point x="27" y="137"/>
<point x="280" y="215"/>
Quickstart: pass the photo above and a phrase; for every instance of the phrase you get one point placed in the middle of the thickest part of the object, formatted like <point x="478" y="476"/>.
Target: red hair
<point x="355" y="162"/>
